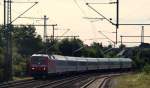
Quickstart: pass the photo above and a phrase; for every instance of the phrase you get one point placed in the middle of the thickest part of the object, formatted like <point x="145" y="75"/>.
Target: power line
<point x="23" y="2"/>
<point x="99" y="13"/>
<point x="106" y="36"/>
<point x="82" y="11"/>
<point x="35" y="3"/>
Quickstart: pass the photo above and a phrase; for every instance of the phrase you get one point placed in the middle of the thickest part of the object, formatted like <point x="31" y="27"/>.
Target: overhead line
<point x="25" y="12"/>
<point x="23" y="2"/>
<point x="99" y="13"/>
<point x="133" y="24"/>
<point x="62" y="36"/>
<point x="129" y="42"/>
<point x="106" y="36"/>
<point x="135" y="36"/>
<point x="83" y="12"/>
<point x="33" y="24"/>
<point x="31" y="18"/>
<point x="104" y="3"/>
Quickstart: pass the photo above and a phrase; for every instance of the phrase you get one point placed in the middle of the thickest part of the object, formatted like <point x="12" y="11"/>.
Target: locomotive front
<point x="38" y="65"/>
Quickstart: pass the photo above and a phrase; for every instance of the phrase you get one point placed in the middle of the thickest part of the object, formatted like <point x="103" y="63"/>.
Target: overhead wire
<point x="106" y="36"/>
<point x="82" y="11"/>
<point x="102" y="33"/>
<point x="93" y="27"/>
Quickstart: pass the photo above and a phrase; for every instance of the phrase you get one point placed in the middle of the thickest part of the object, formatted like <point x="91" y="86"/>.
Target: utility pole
<point x="53" y="36"/>
<point x="8" y="36"/>
<point x="8" y="41"/>
<point x="117" y="20"/>
<point x="45" y="28"/>
<point x="121" y="40"/>
<point x="142" y="35"/>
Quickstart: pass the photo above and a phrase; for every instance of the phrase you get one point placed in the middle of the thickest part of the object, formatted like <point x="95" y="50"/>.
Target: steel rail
<point x="12" y="84"/>
<point x="57" y="82"/>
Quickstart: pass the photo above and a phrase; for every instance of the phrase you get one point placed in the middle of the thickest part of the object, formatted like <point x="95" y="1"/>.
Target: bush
<point x="1" y="75"/>
<point x="146" y="69"/>
<point x="1" y="64"/>
<point x="19" y="65"/>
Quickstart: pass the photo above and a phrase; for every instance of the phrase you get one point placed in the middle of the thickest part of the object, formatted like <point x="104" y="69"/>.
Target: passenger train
<point x="44" y="65"/>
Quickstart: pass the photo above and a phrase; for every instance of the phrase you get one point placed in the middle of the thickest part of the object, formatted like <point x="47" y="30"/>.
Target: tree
<point x="98" y="49"/>
<point x="89" y="52"/>
<point x="1" y="54"/>
<point x="26" y="40"/>
<point x="52" y="47"/>
<point x="1" y="37"/>
<point x="122" y="46"/>
<point x="68" y="46"/>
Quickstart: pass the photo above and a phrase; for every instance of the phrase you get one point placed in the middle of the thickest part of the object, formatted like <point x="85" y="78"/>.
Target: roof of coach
<point x="92" y="59"/>
<point x="126" y="59"/>
<point x="81" y="59"/>
<point x="71" y="58"/>
<point x="103" y="59"/>
<point x="45" y="55"/>
<point x="114" y="59"/>
<point x="59" y="57"/>
<point x="120" y="59"/>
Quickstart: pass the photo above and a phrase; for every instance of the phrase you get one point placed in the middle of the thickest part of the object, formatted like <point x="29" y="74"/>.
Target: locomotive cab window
<point x="36" y="60"/>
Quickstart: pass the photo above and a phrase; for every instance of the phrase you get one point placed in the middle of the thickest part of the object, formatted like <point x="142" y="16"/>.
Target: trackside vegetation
<point x="27" y="42"/>
<point x="136" y="80"/>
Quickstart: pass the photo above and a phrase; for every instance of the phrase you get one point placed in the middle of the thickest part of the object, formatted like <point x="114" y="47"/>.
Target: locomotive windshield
<point x="36" y="60"/>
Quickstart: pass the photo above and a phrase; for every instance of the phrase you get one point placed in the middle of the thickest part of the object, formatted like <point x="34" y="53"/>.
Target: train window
<point x="61" y="63"/>
<point x="72" y="63"/>
<point x="82" y="63"/>
<point x="92" y="63"/>
<point x="36" y="60"/>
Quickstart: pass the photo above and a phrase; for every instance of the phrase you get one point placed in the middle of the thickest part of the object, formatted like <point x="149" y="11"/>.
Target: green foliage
<point x="19" y="64"/>
<point x="68" y="46"/>
<point x="122" y="46"/>
<point x="27" y="41"/>
<point x="141" y="57"/>
<point x="97" y="48"/>
<point x="52" y="47"/>
<point x="89" y="52"/>
<point x="111" y="54"/>
<point x="134" y="80"/>
<point x="146" y="69"/>
<point x="1" y="75"/>
<point x="1" y="63"/>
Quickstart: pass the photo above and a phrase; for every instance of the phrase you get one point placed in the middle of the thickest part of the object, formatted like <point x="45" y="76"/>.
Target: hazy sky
<point x="70" y="13"/>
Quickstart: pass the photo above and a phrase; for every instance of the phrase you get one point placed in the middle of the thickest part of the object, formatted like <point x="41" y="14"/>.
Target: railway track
<point x="63" y="83"/>
<point x="96" y="83"/>
<point x="14" y="83"/>
<point x="84" y="81"/>
<point x="31" y="83"/>
<point x="78" y="81"/>
<point x="99" y="81"/>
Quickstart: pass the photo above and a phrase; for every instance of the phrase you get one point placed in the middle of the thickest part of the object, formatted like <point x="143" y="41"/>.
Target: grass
<point x="21" y="78"/>
<point x="138" y="80"/>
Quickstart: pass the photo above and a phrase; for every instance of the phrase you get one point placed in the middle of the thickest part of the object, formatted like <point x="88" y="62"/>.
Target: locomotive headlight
<point x="33" y="68"/>
<point x="44" y="68"/>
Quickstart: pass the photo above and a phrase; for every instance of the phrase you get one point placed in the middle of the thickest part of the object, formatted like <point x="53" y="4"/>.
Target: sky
<point x="69" y="14"/>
